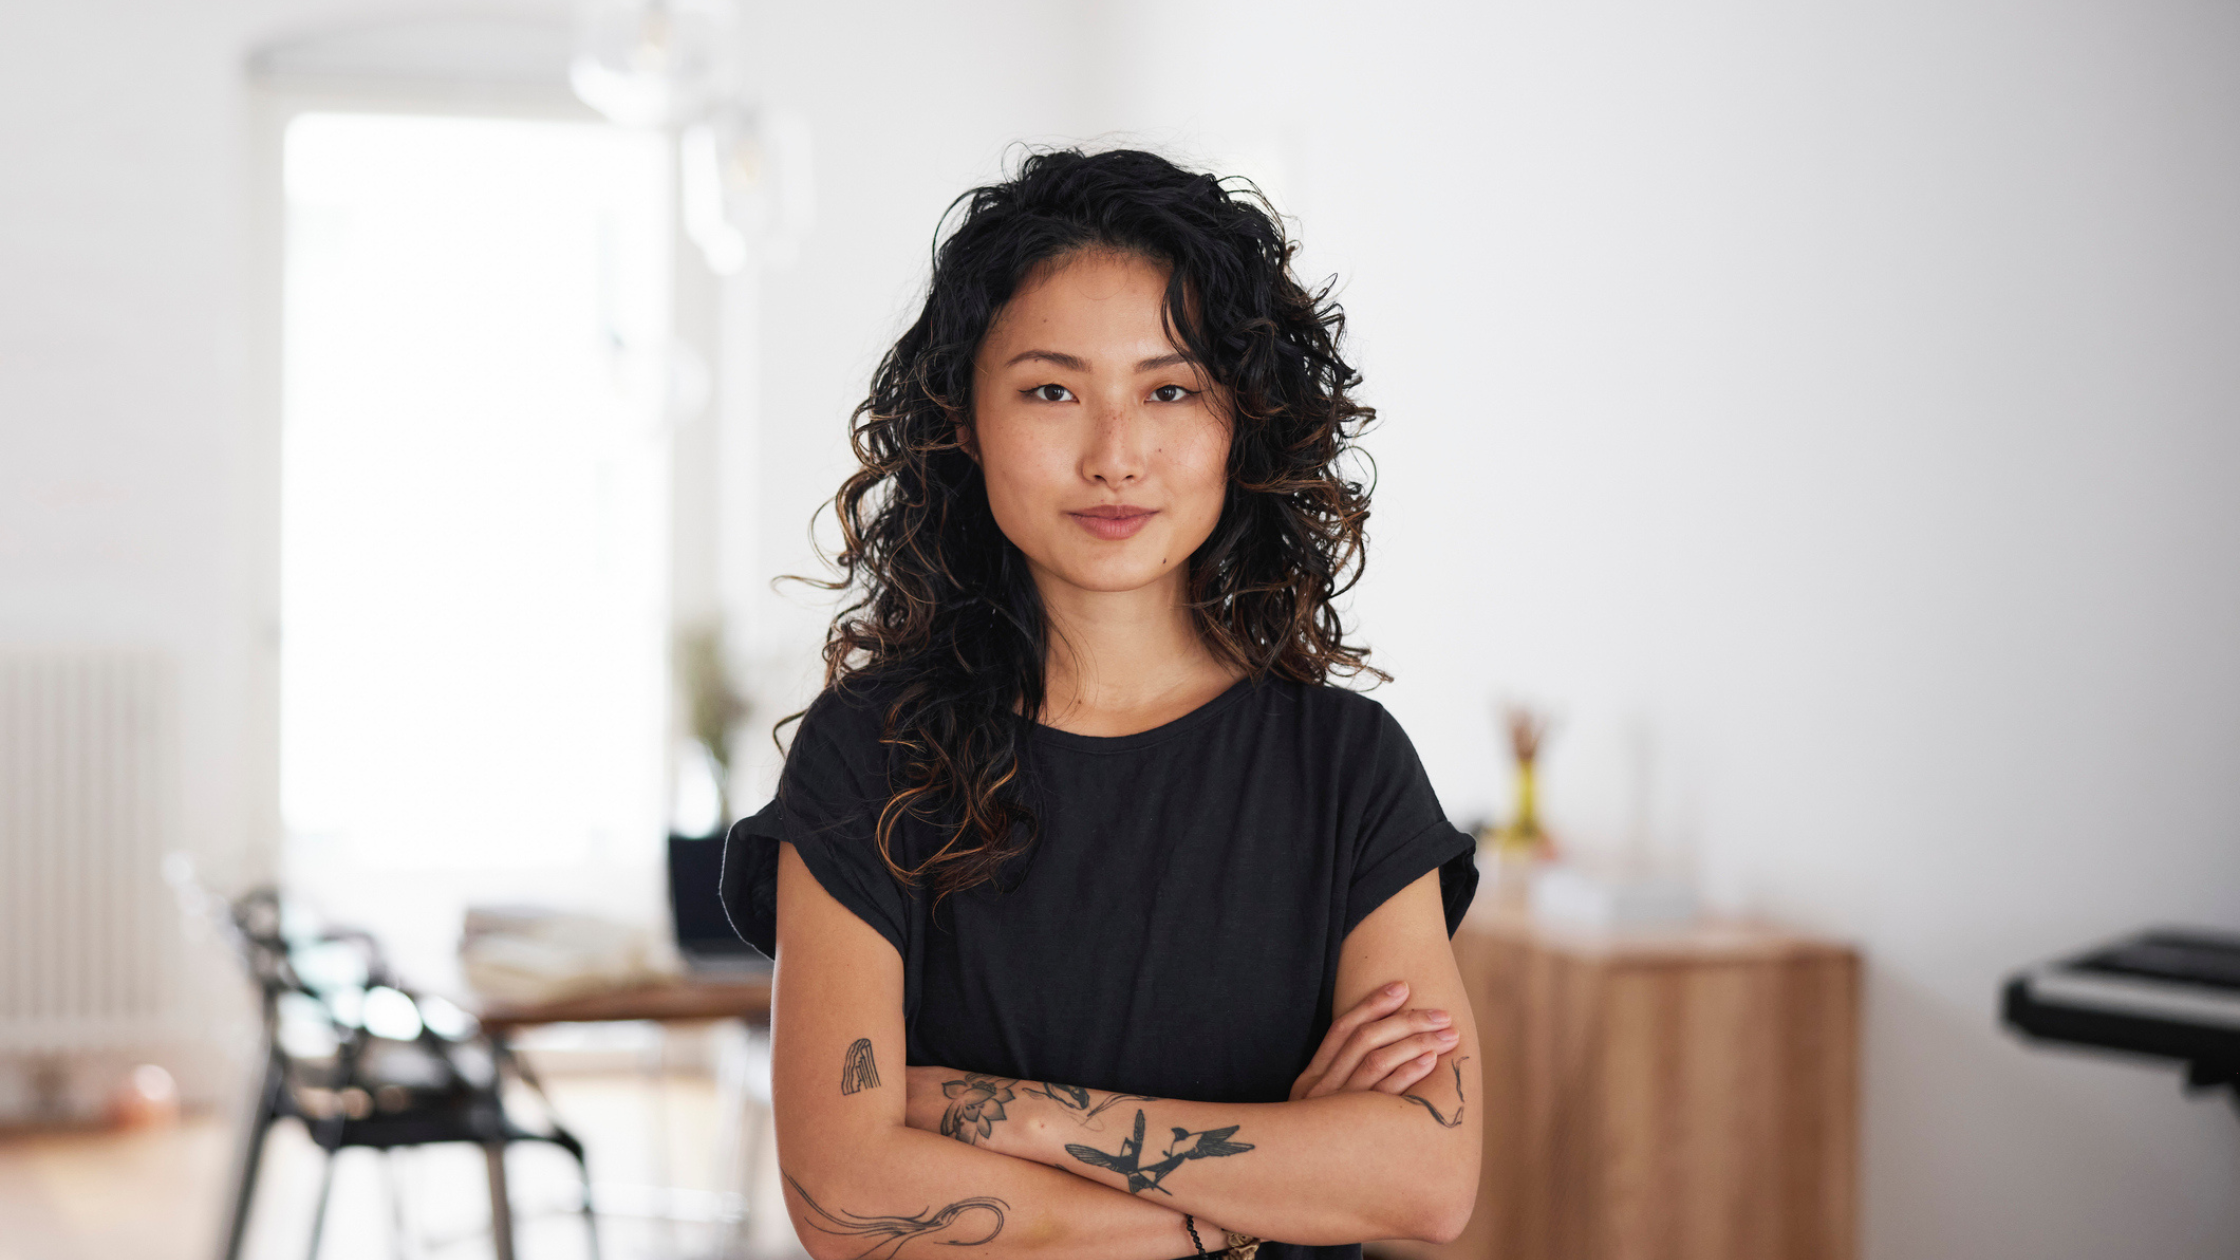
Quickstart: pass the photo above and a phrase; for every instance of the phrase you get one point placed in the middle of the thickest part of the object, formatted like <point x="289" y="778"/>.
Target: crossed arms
<point x="1377" y="1142"/>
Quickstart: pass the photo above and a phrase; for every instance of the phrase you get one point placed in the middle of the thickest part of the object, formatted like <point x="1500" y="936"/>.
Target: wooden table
<point x="681" y="999"/>
<point x="1660" y="1096"/>
<point x="668" y="1001"/>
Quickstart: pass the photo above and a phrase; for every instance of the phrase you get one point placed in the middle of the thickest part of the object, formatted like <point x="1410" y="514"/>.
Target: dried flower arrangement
<point x="1522" y="838"/>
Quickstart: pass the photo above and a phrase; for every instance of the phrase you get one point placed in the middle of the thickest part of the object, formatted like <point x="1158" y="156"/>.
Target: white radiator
<point x="88" y="931"/>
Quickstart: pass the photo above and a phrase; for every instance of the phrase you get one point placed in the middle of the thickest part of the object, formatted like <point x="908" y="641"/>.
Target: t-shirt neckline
<point x="1141" y="739"/>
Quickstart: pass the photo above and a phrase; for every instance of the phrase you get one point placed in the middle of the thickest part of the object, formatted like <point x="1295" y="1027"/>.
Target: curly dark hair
<point x="943" y="608"/>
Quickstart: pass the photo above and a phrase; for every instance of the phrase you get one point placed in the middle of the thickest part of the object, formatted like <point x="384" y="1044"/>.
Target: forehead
<point x="1080" y="301"/>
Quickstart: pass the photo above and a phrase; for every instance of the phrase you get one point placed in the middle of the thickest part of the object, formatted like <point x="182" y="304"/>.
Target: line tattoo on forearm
<point x="1184" y="1147"/>
<point x="886" y="1234"/>
<point x="975" y="1104"/>
<point x="1459" y="1100"/>
<point x="858" y="1070"/>
<point x="1075" y="1101"/>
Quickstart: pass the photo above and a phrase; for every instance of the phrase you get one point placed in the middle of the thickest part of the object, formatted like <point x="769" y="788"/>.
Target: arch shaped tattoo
<point x="858" y="1070"/>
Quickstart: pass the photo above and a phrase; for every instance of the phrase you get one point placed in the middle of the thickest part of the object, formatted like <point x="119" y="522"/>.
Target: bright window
<point x="474" y="490"/>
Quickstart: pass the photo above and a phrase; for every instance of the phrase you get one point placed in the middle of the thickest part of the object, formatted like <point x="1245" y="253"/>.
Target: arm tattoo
<point x="975" y="1104"/>
<point x="887" y="1234"/>
<point x="858" y="1071"/>
<point x="1074" y="1100"/>
<point x="1459" y="1100"/>
<point x="1185" y="1146"/>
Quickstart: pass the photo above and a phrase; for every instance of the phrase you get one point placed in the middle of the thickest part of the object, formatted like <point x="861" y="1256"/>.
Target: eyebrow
<point x="1069" y="362"/>
<point x="1164" y="361"/>
<point x="1074" y="363"/>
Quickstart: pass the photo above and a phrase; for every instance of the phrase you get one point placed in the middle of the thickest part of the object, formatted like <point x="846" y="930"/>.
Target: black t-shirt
<point x="1176" y="926"/>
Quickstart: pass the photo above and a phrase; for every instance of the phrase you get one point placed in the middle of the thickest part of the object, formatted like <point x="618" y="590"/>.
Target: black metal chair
<point x="442" y="1083"/>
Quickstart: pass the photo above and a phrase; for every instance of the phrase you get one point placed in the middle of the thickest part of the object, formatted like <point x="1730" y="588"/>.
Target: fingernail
<point x="1394" y="989"/>
<point x="1440" y="1019"/>
<point x="1427" y="1058"/>
<point x="1447" y="1034"/>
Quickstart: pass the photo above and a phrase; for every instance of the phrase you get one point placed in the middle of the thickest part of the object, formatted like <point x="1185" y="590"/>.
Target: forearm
<point x="872" y="1195"/>
<point x="859" y="1184"/>
<point x="1338" y="1169"/>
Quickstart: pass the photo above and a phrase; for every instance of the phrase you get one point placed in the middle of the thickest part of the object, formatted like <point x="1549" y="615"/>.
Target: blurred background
<point x="1822" y="419"/>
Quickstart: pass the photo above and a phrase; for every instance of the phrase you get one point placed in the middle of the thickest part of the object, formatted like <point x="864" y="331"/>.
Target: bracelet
<point x="1192" y="1226"/>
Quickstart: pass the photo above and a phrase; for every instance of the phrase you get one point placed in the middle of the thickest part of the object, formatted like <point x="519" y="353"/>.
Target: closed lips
<point x="1113" y="522"/>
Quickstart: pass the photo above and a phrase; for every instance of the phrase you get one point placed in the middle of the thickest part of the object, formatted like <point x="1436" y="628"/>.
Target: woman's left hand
<point x="1377" y="1046"/>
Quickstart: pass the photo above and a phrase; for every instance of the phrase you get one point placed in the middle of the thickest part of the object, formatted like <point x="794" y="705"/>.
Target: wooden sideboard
<point x="1682" y="1095"/>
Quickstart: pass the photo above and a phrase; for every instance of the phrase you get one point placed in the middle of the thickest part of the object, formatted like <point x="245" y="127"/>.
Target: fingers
<point x="1373" y="1051"/>
<point x="1380" y="1063"/>
<point x="1381" y="1002"/>
<point x="1408" y="1075"/>
<point x="1410" y="1061"/>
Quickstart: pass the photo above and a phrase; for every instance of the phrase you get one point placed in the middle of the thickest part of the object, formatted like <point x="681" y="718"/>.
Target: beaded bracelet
<point x="1238" y="1246"/>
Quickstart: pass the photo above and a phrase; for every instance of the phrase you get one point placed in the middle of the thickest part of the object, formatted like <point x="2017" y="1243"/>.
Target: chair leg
<point x="747" y="1178"/>
<point x="319" y="1211"/>
<point x="501" y="1208"/>
<point x="590" y="1215"/>
<point x="743" y="1063"/>
<point x="261" y="1117"/>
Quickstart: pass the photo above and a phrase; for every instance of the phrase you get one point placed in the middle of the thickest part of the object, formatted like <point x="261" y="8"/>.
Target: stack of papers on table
<point x="529" y="954"/>
<point x="1569" y="897"/>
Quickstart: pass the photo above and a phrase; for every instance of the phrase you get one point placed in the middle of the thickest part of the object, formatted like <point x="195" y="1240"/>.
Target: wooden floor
<point x="157" y="1195"/>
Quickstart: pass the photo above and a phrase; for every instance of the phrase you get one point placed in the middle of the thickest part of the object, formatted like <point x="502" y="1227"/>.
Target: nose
<point x="1117" y="445"/>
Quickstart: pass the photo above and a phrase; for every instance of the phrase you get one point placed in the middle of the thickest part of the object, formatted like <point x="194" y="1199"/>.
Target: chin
<point x="1113" y="575"/>
<point x="1111" y="583"/>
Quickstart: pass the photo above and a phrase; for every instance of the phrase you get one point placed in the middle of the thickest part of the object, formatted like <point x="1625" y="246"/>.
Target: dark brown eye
<point x="1051" y="393"/>
<point x="1170" y="393"/>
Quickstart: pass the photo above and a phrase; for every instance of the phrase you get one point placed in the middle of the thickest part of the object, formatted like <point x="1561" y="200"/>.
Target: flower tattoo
<point x="975" y="1104"/>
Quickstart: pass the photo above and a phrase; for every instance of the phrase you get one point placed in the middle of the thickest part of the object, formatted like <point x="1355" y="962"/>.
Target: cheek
<point x="1207" y="460"/>
<point x="1198" y="468"/>
<point x="1020" y="475"/>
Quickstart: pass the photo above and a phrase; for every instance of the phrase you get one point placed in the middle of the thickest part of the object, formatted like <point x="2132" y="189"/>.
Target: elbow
<point x="820" y="1246"/>
<point x="1440" y="1221"/>
<point x="1444" y="1222"/>
<point x="1439" y="1209"/>
<point x="811" y="1226"/>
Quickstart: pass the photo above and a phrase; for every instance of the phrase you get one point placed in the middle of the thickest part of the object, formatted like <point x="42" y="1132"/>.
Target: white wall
<point x="136" y="501"/>
<point x="909" y="104"/>
<point x="1842" y="403"/>
<point x="125" y="512"/>
<point x="1838" y="406"/>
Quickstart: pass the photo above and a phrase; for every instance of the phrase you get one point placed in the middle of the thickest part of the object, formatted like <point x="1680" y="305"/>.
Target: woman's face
<point x="1104" y="446"/>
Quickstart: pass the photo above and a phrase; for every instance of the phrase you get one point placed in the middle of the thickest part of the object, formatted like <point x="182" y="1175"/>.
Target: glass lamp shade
<point x="747" y="184"/>
<point x="655" y="63"/>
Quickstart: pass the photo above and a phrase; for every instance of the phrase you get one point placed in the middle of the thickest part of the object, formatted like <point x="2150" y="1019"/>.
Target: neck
<point x="1114" y="654"/>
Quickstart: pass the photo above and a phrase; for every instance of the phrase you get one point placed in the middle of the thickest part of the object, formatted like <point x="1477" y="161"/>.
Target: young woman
<point x="1077" y="855"/>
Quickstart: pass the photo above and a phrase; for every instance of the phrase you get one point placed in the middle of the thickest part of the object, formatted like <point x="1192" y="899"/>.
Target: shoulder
<point x="1340" y="703"/>
<point x="1335" y="715"/>
<point x="1370" y="758"/>
<point x="841" y="738"/>
<point x="850" y="712"/>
